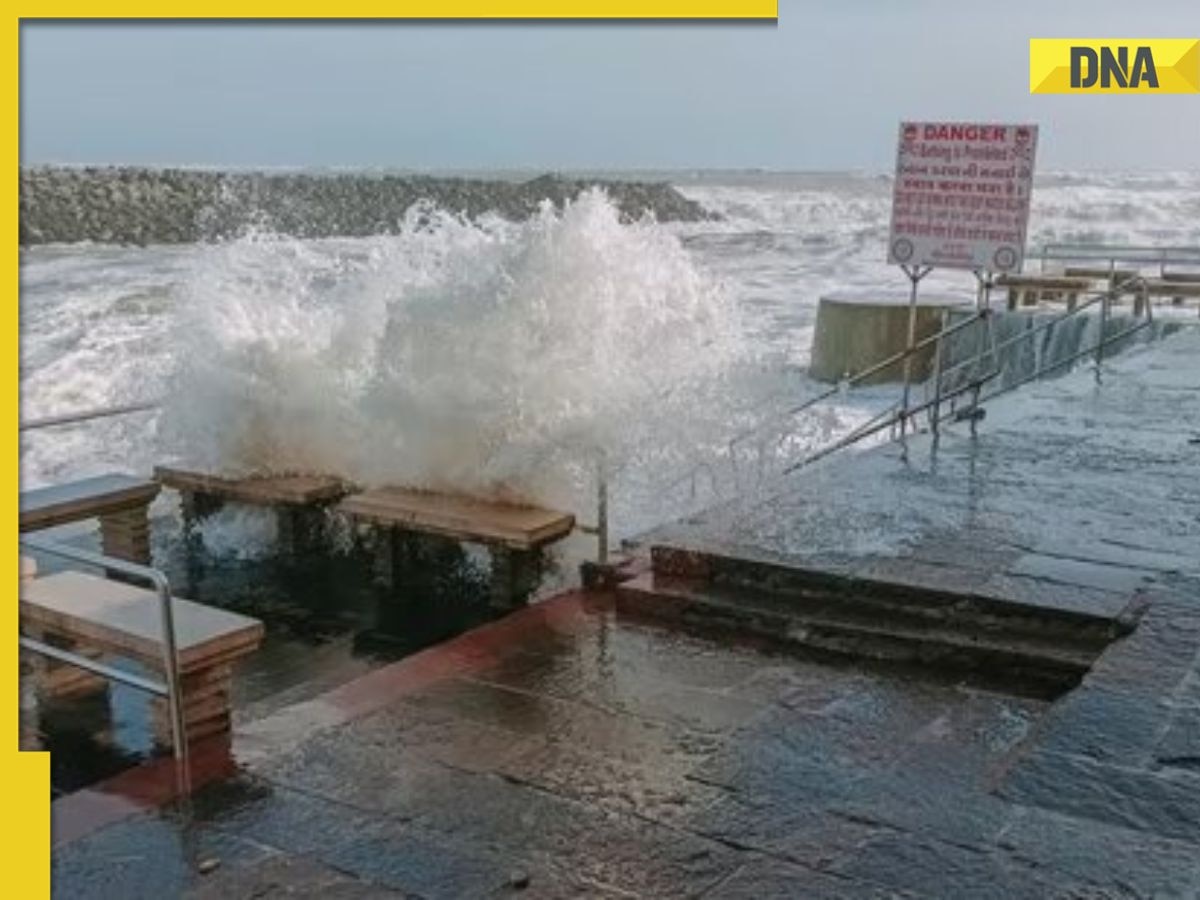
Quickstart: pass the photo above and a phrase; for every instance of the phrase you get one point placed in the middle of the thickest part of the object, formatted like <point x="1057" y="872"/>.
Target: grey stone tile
<point x="1138" y="799"/>
<point x="1106" y="857"/>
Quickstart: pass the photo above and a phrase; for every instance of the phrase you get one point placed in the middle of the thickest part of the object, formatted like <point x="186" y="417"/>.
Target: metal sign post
<point x="915" y="274"/>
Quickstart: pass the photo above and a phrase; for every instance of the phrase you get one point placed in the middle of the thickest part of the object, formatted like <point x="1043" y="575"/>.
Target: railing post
<point x="1104" y="301"/>
<point x="937" y="377"/>
<point x="915" y="274"/>
<point x="601" y="509"/>
<point x="174" y="685"/>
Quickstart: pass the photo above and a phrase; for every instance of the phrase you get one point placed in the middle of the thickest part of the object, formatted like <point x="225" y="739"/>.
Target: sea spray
<point x="485" y="357"/>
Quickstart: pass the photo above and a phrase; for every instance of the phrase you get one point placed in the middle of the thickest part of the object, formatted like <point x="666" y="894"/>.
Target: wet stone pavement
<point x="574" y="749"/>
<point x="570" y="750"/>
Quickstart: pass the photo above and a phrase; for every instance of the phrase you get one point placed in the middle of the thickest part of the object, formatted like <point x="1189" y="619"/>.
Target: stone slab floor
<point x="569" y="750"/>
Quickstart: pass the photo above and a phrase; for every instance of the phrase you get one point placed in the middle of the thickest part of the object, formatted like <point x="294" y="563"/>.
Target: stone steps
<point x="1022" y="650"/>
<point x="1069" y="626"/>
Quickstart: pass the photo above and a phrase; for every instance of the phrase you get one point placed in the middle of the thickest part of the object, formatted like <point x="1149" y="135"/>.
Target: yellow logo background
<point x="1176" y="61"/>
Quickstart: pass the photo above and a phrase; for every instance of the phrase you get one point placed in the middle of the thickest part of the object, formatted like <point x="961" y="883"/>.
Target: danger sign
<point x="961" y="197"/>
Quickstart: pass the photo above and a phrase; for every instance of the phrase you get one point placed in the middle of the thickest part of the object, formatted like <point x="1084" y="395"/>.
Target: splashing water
<point x="491" y="358"/>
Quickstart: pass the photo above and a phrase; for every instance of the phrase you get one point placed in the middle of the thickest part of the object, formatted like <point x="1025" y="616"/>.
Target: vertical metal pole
<point x="937" y="377"/>
<point x="1104" y="301"/>
<point x="174" y="692"/>
<point x="601" y="509"/>
<point x="914" y="277"/>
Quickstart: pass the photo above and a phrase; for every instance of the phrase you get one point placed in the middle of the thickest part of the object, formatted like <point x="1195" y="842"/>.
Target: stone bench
<point x="1028" y="290"/>
<point x="70" y="609"/>
<point x="120" y="502"/>
<point x="1175" y="287"/>
<point x="514" y="534"/>
<point x="1101" y="273"/>
<point x="296" y="499"/>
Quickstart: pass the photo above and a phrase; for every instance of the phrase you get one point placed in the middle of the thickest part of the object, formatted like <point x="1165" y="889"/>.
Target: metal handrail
<point x="170" y="687"/>
<point x="86" y="415"/>
<point x="895" y="416"/>
<point x="896" y="358"/>
<point x="1114" y="253"/>
<point x="1046" y="325"/>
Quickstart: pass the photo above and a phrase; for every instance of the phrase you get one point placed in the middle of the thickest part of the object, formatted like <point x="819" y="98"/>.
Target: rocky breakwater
<point x="152" y="206"/>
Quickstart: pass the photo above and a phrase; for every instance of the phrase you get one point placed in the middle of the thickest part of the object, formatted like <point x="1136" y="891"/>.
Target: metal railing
<point x="776" y="421"/>
<point x="86" y="415"/>
<point x="900" y="415"/>
<point x="895" y="416"/>
<point x="170" y="687"/>
<point x="1120" y="253"/>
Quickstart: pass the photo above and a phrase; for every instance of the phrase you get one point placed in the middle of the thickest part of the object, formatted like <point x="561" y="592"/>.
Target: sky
<point x="822" y="89"/>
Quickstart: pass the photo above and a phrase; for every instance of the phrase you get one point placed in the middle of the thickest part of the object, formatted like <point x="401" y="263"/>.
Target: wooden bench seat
<point x="1101" y="273"/>
<point x="514" y="534"/>
<point x="257" y="490"/>
<point x="1162" y="287"/>
<point x="120" y="502"/>
<point x="459" y="517"/>
<point x="296" y="499"/>
<point x="1026" y="290"/>
<point x="95" y="616"/>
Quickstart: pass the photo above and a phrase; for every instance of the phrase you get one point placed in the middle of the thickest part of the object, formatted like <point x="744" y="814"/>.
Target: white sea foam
<point x="488" y="358"/>
<point x="239" y="532"/>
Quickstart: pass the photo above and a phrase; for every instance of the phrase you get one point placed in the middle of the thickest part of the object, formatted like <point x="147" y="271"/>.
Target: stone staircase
<point x="1015" y="647"/>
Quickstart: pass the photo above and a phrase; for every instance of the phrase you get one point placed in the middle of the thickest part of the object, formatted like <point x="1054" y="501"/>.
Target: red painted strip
<point x="152" y="785"/>
<point x="467" y="653"/>
<point x="137" y="790"/>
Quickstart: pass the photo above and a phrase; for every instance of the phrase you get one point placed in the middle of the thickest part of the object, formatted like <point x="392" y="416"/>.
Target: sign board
<point x="961" y="196"/>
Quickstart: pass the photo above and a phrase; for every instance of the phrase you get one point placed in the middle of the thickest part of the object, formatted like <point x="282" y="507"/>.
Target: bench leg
<point x="29" y="732"/>
<point x="194" y="506"/>
<point x="207" y="706"/>
<point x="386" y="558"/>
<point x="515" y="574"/>
<point x="1140" y="301"/>
<point x="57" y="680"/>
<point x="299" y="529"/>
<point x="126" y="535"/>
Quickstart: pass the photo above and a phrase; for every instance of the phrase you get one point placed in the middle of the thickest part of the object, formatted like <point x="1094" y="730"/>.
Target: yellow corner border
<point x="24" y="777"/>
<point x="1176" y="63"/>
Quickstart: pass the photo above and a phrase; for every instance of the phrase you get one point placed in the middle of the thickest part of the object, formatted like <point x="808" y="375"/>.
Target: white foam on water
<point x="238" y="532"/>
<point x="488" y="358"/>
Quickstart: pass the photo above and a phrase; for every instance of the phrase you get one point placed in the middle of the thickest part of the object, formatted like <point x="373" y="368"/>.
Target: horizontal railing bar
<point x="91" y="558"/>
<point x="900" y="356"/>
<point x="89" y="414"/>
<point x="158" y="688"/>
<point x="1120" y="253"/>
<point x="891" y="420"/>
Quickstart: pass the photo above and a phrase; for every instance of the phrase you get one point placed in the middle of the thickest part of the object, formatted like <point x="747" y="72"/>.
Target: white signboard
<point x="961" y="197"/>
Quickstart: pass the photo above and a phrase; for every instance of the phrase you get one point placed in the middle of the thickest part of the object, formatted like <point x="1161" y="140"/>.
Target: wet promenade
<point x="578" y="748"/>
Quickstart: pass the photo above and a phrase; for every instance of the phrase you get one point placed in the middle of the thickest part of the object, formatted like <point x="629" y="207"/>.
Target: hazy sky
<point x="822" y="89"/>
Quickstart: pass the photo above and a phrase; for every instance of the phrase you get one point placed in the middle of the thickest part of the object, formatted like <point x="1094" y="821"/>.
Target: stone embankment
<point x="170" y="206"/>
